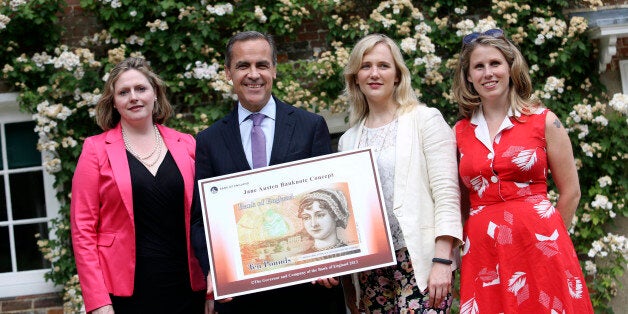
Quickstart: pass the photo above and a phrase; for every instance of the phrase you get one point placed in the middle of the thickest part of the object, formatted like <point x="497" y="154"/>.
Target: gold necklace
<point x="156" y="148"/>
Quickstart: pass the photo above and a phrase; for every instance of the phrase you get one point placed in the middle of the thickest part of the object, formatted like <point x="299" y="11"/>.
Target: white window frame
<point x="623" y="69"/>
<point x="19" y="283"/>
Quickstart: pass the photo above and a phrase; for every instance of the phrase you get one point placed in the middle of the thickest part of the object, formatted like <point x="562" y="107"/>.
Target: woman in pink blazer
<point x="131" y="200"/>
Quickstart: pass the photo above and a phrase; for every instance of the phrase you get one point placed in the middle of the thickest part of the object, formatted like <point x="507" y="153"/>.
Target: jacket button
<point x="494" y="179"/>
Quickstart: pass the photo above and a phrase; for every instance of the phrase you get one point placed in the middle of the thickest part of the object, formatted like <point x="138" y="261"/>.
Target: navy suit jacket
<point x="299" y="134"/>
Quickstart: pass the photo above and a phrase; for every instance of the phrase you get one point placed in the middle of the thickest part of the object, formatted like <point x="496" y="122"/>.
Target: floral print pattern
<point x="393" y="290"/>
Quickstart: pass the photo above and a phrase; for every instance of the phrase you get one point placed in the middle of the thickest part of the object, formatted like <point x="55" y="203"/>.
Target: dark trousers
<point x="302" y="299"/>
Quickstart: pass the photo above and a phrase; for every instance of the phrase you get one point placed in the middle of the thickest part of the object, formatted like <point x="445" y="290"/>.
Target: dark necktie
<point x="258" y="141"/>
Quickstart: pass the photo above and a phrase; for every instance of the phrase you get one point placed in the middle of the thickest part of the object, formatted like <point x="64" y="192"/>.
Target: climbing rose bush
<point x="185" y="40"/>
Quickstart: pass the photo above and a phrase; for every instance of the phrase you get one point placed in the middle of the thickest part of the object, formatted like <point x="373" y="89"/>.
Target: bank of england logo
<point x="214" y="190"/>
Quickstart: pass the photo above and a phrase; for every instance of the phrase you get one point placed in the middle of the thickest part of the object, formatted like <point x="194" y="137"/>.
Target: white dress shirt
<point x="268" y="126"/>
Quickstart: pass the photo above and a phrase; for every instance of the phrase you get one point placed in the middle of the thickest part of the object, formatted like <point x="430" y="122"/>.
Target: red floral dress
<point x="517" y="257"/>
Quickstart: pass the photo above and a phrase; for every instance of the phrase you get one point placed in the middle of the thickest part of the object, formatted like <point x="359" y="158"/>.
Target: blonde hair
<point x="520" y="94"/>
<point x="403" y="94"/>
<point x="107" y="117"/>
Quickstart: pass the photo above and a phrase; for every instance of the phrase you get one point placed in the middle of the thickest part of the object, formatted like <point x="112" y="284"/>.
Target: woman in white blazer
<point x="415" y="151"/>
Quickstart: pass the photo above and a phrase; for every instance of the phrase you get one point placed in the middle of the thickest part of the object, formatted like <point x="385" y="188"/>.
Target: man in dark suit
<point x="227" y="147"/>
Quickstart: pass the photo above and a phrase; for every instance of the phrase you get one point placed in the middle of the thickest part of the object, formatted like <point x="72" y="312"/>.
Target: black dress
<point x="162" y="279"/>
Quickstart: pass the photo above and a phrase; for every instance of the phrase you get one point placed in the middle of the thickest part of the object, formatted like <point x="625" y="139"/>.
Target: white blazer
<point x="426" y="190"/>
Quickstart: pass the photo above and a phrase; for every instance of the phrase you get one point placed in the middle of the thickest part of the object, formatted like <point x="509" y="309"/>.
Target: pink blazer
<point x="101" y="214"/>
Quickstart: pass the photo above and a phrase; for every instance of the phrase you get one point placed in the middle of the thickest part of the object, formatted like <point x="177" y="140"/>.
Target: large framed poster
<point x="295" y="222"/>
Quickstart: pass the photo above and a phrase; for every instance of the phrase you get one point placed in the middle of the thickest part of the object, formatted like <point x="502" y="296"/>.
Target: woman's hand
<point x="107" y="309"/>
<point x="439" y="284"/>
<point x="439" y="281"/>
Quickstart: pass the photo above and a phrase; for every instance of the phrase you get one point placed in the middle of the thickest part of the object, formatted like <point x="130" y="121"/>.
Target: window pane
<point x="5" y="250"/>
<point x="22" y="145"/>
<point x="3" y="201"/>
<point x="1" y="157"/>
<point x="27" y="252"/>
<point x="27" y="195"/>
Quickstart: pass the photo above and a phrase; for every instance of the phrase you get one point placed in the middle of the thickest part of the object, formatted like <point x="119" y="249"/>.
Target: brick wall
<point x="310" y="37"/>
<point x="622" y="54"/>
<point x="77" y="23"/>
<point x="33" y="304"/>
<point x="614" y="2"/>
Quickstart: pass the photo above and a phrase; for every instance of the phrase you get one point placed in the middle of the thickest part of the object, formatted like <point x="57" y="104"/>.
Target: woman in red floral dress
<point x="517" y="257"/>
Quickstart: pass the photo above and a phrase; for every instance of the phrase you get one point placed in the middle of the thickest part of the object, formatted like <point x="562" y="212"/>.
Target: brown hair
<point x="520" y="94"/>
<point x="107" y="117"/>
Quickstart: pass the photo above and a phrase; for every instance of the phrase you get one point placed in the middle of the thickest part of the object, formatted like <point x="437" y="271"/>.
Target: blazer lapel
<point x="406" y="130"/>
<point x="284" y="127"/>
<point x="116" y="153"/>
<point x="233" y="140"/>
<point x="358" y="134"/>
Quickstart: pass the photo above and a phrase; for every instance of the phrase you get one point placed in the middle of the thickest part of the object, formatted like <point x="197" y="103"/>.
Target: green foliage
<point x="32" y="27"/>
<point x="178" y="36"/>
<point x="185" y="40"/>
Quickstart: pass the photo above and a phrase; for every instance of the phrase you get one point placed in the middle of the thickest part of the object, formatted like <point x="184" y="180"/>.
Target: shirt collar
<point x="269" y="110"/>
<point x="478" y="116"/>
<point x="481" y="130"/>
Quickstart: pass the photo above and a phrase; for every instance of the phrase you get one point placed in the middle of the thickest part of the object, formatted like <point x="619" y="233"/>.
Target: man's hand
<point x="327" y="282"/>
